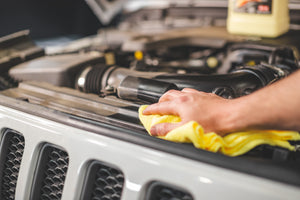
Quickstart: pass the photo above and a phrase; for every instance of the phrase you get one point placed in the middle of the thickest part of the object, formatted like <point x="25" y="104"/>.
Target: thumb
<point x="163" y="128"/>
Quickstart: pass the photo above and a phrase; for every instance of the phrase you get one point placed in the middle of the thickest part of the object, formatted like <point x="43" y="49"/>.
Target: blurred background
<point x="48" y="18"/>
<point x="75" y="19"/>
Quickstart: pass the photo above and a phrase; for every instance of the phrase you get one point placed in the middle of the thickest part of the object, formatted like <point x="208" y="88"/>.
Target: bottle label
<point x="253" y="6"/>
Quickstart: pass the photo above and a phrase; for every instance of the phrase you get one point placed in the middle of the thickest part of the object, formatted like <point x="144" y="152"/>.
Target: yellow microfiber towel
<point x="233" y="144"/>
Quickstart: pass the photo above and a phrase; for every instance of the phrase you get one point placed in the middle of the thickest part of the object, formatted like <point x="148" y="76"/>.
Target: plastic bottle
<point x="265" y="18"/>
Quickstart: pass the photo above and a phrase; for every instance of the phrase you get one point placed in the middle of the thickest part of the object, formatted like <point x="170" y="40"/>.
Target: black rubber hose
<point x="135" y="85"/>
<point x="149" y="90"/>
<point x="7" y="82"/>
<point x="93" y="79"/>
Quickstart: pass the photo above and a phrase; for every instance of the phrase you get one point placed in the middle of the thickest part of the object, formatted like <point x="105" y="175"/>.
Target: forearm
<point x="273" y="107"/>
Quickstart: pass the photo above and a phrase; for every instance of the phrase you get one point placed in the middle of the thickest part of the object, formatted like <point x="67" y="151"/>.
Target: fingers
<point x="170" y="95"/>
<point x="163" y="108"/>
<point x="168" y="103"/>
<point x="163" y="128"/>
<point x="189" y="90"/>
<point x="203" y="94"/>
<point x="173" y="94"/>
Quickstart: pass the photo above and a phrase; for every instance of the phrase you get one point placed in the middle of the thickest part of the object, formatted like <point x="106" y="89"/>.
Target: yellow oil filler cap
<point x="264" y="18"/>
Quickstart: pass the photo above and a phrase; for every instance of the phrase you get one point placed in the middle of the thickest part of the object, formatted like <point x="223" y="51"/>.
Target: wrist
<point x="234" y="116"/>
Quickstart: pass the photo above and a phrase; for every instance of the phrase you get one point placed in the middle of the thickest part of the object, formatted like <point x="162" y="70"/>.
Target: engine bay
<point x="142" y="69"/>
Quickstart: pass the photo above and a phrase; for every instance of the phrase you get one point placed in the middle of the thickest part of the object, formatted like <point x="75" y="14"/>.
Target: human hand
<point x="208" y="109"/>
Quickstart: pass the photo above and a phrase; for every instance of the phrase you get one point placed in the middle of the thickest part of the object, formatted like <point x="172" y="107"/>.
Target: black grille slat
<point x="11" y="153"/>
<point x="162" y="191"/>
<point x="102" y="182"/>
<point x="51" y="173"/>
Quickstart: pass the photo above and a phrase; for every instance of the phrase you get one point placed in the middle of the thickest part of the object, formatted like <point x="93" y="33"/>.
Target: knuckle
<point x="171" y="91"/>
<point x="183" y="98"/>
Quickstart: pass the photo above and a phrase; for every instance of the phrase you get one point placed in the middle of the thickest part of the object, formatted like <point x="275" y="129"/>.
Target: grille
<point x="11" y="152"/>
<point x="51" y="173"/>
<point x="102" y="183"/>
<point x="161" y="191"/>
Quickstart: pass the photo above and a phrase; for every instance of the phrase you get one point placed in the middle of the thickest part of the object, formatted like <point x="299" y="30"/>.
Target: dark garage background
<point x="47" y="18"/>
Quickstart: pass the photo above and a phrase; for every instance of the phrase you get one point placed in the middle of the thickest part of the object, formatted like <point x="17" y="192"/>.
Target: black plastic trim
<point x="39" y="174"/>
<point x="7" y="135"/>
<point x="153" y="192"/>
<point x="90" y="179"/>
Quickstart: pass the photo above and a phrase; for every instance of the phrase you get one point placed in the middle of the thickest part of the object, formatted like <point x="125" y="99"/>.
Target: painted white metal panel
<point x="139" y="164"/>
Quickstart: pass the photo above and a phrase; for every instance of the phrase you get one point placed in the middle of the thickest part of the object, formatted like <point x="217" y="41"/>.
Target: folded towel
<point x="233" y="144"/>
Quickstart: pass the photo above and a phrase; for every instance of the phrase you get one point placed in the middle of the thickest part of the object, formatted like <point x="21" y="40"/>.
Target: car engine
<point x="95" y="86"/>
